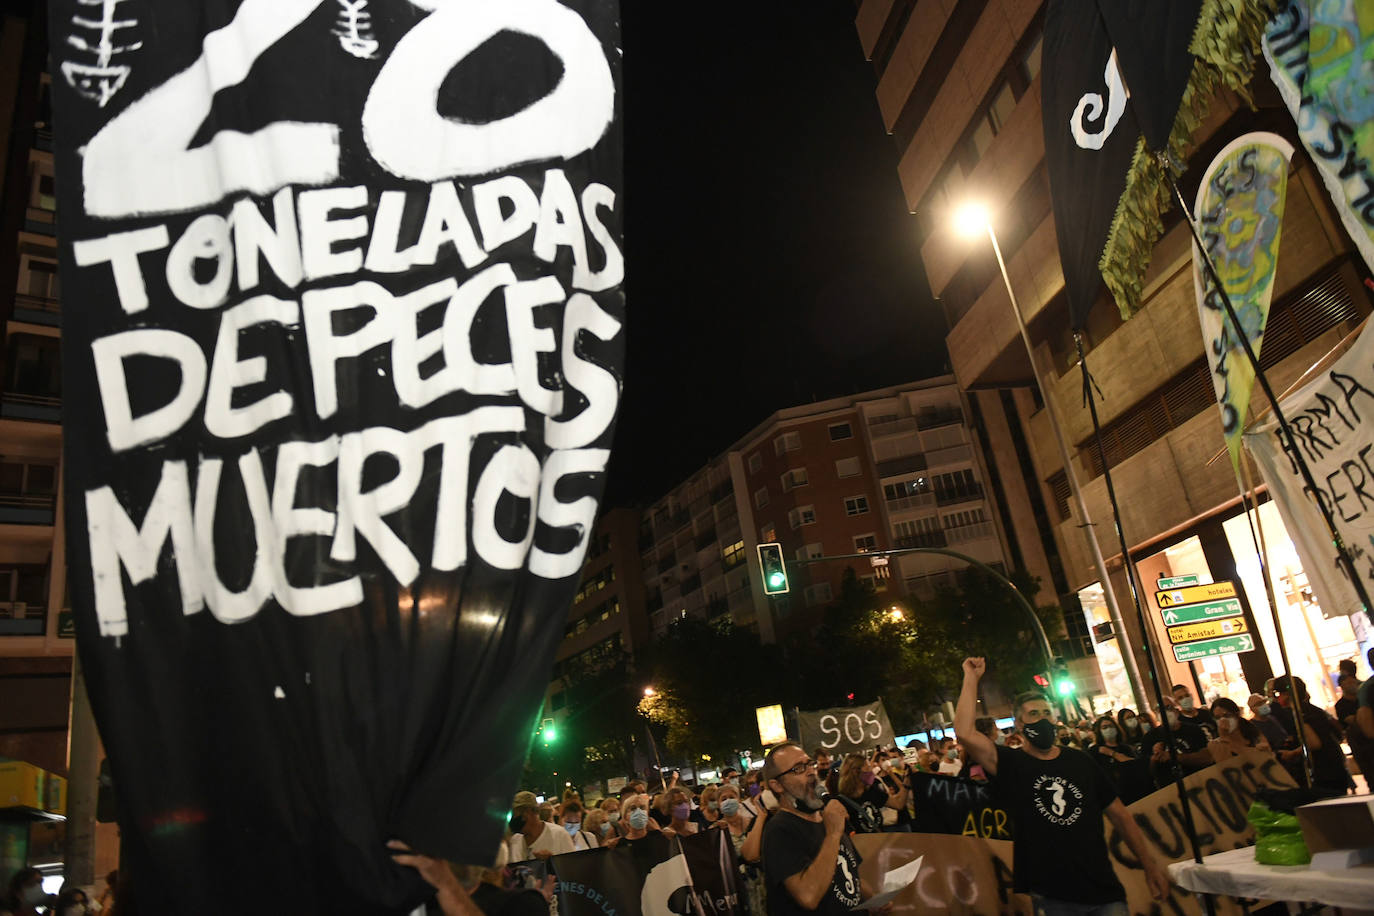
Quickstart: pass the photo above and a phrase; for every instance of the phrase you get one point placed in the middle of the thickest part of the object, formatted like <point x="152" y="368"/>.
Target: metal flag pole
<point x="1286" y="439"/>
<point x="1129" y="568"/>
<point x="1080" y="504"/>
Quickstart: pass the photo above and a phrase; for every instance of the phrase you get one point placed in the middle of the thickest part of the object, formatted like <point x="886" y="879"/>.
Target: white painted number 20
<point x="140" y="162"/>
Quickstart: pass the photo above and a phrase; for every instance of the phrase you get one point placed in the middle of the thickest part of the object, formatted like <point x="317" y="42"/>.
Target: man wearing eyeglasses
<point x="809" y="862"/>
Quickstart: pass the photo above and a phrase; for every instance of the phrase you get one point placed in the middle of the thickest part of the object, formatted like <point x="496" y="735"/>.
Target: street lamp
<point x="969" y="220"/>
<point x="650" y="692"/>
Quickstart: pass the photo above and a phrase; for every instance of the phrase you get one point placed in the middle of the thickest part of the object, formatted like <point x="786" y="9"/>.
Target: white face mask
<point x="1228" y="724"/>
<point x="1108" y="733"/>
<point x="1172" y="717"/>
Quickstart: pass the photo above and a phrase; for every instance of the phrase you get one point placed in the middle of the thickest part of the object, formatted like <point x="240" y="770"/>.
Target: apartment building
<point x="899" y="467"/>
<point x="958" y="85"/>
<point x="36" y="644"/>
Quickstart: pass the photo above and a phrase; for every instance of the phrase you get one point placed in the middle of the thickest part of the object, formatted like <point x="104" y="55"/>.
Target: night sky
<point x="770" y="258"/>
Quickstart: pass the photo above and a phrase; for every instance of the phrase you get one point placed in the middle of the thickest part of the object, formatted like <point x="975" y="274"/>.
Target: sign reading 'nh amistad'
<point x="1202" y="620"/>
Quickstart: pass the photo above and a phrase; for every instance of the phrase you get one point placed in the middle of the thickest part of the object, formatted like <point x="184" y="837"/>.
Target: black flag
<point x="1090" y="139"/>
<point x="342" y="348"/>
<point x="1152" y="49"/>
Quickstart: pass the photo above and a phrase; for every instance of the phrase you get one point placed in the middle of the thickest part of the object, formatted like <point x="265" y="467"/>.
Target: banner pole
<point x="1134" y="588"/>
<point x="1257" y="535"/>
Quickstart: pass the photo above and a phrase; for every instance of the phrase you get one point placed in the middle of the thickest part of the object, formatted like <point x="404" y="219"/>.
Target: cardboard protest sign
<point x="846" y="729"/>
<point x="342" y="355"/>
<point x="974" y="875"/>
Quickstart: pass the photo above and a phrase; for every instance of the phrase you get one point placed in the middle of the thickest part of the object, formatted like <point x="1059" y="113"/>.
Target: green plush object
<point x="1278" y="838"/>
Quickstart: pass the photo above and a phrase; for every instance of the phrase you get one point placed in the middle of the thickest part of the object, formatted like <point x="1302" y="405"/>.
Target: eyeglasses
<point x="799" y="769"/>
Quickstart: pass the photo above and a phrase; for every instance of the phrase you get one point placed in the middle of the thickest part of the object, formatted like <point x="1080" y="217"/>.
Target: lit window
<point x="863" y="543"/>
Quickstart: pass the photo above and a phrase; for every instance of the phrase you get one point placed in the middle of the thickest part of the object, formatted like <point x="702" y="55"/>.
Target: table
<point x="1235" y="873"/>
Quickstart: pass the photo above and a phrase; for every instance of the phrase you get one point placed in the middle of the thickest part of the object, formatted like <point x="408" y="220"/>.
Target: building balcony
<point x="907" y="464"/>
<point x="933" y="418"/>
<point x="904" y="503"/>
<point x="924" y="539"/>
<point x="40" y="221"/>
<point x="955" y="454"/>
<point x="20" y="619"/>
<point x="16" y="405"/>
<point x="961" y="495"/>
<point x="27" y="509"/>
<point x="976" y="532"/>
<point x="37" y="310"/>
<point x="892" y="427"/>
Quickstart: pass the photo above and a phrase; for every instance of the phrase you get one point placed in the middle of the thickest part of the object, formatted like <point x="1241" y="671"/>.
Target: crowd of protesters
<point x="789" y="820"/>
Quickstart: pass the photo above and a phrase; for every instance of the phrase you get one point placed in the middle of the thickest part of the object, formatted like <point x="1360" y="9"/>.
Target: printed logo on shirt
<point x="846" y="881"/>
<point x="1059" y="801"/>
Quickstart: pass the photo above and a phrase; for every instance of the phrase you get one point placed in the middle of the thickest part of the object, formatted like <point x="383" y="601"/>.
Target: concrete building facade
<point x="958" y="84"/>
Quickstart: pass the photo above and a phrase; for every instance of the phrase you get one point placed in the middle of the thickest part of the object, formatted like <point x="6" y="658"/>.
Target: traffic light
<point x="1042" y="681"/>
<point x="1063" y="684"/>
<point x="548" y="731"/>
<point x="774" y="569"/>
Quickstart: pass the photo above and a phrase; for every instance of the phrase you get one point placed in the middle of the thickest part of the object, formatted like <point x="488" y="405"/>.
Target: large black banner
<point x="956" y="804"/>
<point x="342" y="346"/>
<point x="657" y="876"/>
<point x="846" y="729"/>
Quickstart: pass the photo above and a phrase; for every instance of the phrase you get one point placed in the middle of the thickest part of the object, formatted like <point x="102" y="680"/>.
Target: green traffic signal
<point x="774" y="569"/>
<point x="1064" y="687"/>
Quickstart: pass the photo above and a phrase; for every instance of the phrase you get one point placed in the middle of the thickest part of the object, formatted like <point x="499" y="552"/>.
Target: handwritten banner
<point x="974" y="875"/>
<point x="953" y="804"/>
<point x="846" y="729"/>
<point x="1332" y="419"/>
<point x="342" y="349"/>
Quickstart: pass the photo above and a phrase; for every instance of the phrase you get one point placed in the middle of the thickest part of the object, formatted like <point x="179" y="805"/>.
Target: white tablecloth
<point x="1235" y="873"/>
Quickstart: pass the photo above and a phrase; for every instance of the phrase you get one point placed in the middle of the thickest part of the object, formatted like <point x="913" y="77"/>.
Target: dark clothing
<point x="1345" y="708"/>
<point x="1203" y="719"/>
<point x="1131" y="777"/>
<point x="1272" y="730"/>
<point x="790" y="844"/>
<point x="493" y="901"/>
<point x="866" y="811"/>
<point x="1060" y="849"/>
<point x="1329" y="774"/>
<point x="1187" y="739"/>
<point x="894" y="783"/>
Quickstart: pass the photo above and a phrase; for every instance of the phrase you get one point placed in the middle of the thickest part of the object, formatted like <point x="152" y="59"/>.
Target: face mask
<point x="1131" y="724"/>
<point x="1000" y="739"/>
<point x="1228" y="724"/>
<point x="952" y="753"/>
<point x="1065" y="740"/>
<point x="639" y="819"/>
<point x="822" y="772"/>
<point x="807" y="804"/>
<point x="572" y="827"/>
<point x="1172" y="717"/>
<point x="606" y="828"/>
<point x="733" y="781"/>
<point x="754" y="789"/>
<point x="1263" y="709"/>
<point x="730" y="807"/>
<point x="1186" y="702"/>
<point x="517" y="823"/>
<point x="712" y="807"/>
<point x="613" y="816"/>
<point x="1040" y="733"/>
<point x="682" y="811"/>
<point x="1085" y="736"/>
<point x="867" y="777"/>
<point x="1108" y="733"/>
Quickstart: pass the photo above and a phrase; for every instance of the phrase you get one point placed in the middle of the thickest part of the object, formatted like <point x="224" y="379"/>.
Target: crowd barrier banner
<point x="342" y="342"/>
<point x="973" y="875"/>
<point x="657" y="876"/>
<point x="846" y="729"/>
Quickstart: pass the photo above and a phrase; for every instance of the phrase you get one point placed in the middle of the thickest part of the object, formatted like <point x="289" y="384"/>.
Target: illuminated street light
<point x="650" y="692"/>
<point x="969" y="220"/>
<point x="896" y="614"/>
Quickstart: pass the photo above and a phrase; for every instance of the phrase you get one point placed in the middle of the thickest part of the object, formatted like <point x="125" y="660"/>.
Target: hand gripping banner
<point x="342" y="344"/>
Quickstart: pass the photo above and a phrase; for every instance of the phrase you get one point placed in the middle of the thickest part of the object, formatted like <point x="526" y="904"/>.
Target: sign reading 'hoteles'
<point x="1203" y="620"/>
<point x="342" y="344"/>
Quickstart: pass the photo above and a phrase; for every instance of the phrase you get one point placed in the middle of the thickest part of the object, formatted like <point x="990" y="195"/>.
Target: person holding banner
<point x="746" y="835"/>
<point x="1057" y="797"/>
<point x="809" y="862"/>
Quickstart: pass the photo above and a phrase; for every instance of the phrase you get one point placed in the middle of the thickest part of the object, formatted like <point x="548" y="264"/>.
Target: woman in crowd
<point x="1066" y="737"/>
<point x="1133" y="730"/>
<point x="746" y="835"/>
<point x="596" y="831"/>
<point x="1235" y="734"/>
<point x="25" y="894"/>
<point x="1107" y="745"/>
<point x="611" y="808"/>
<point x="707" y="805"/>
<point x="752" y="789"/>
<point x="866" y="798"/>
<point x="892" y="777"/>
<point x="1118" y="757"/>
<point x="682" y="820"/>
<point x="635" y="815"/>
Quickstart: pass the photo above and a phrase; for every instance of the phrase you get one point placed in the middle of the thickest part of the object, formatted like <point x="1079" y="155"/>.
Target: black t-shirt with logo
<point x="790" y="844"/>
<point x="1187" y="739"/>
<point x="1060" y="846"/>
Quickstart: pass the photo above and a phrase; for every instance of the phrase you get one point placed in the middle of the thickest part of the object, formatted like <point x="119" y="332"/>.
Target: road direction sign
<point x="1210" y="610"/>
<point x="1207" y="648"/>
<point x="1176" y="581"/>
<point x="1195" y="594"/>
<point x="1207" y="629"/>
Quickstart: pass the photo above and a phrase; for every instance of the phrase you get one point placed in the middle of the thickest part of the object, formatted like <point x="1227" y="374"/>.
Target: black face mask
<point x="1040" y="733"/>
<point x="822" y="772"/>
<point x="517" y="823"/>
